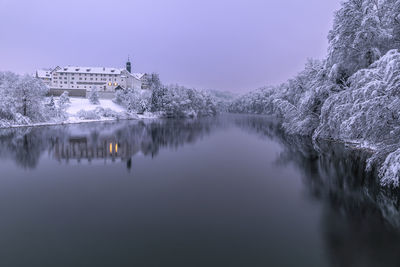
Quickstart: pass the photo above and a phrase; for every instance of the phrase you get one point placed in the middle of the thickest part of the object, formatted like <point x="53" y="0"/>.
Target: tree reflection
<point x="105" y="141"/>
<point x="361" y="221"/>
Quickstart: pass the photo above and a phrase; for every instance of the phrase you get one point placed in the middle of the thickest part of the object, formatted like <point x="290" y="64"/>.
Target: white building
<point x="44" y="75"/>
<point x="79" y="80"/>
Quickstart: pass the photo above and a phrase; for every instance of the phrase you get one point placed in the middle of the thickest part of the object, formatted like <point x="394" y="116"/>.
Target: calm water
<point x="228" y="191"/>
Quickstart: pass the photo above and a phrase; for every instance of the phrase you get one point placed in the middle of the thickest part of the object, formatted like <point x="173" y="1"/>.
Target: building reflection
<point x="80" y="148"/>
<point x="108" y="142"/>
<point x="107" y="149"/>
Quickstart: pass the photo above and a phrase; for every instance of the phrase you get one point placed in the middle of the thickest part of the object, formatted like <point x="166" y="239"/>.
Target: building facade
<point x="78" y="81"/>
<point x="44" y="75"/>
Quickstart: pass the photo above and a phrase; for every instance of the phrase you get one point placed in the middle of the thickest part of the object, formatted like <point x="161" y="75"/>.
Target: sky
<point x="228" y="45"/>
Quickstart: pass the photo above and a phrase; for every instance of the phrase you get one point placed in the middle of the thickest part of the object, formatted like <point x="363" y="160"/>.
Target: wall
<point x="72" y="92"/>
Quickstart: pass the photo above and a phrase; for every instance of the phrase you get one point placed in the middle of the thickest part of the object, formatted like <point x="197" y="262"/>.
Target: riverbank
<point x="80" y="110"/>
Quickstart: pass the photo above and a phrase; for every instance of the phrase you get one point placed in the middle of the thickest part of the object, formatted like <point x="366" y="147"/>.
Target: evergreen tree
<point x="94" y="96"/>
<point x="51" y="105"/>
<point x="64" y="99"/>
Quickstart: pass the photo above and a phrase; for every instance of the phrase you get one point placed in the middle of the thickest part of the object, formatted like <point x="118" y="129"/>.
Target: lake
<point x="225" y="191"/>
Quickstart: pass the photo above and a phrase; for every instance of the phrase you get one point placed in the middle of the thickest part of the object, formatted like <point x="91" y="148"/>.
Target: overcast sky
<point x="235" y="45"/>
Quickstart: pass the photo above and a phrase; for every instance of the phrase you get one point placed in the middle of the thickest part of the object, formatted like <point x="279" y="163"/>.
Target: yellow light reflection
<point x="111" y="146"/>
<point x="116" y="148"/>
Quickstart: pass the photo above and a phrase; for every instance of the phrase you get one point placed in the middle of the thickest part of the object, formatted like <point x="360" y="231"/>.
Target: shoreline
<point x="45" y="124"/>
<point x="351" y="144"/>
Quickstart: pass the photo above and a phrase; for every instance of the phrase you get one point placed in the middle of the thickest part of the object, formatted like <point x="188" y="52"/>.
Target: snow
<point x="107" y="110"/>
<point x="95" y="70"/>
<point x="390" y="170"/>
<point x="138" y="75"/>
<point x="352" y="95"/>
<point x="43" y="74"/>
<point x="78" y="104"/>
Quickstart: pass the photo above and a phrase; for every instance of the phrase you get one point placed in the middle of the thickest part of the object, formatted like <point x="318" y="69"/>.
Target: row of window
<point x="80" y="74"/>
<point x="109" y="84"/>
<point x="102" y="79"/>
<point x="84" y="87"/>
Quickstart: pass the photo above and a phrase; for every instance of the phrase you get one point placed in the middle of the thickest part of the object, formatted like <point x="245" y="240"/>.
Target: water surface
<point x="226" y="191"/>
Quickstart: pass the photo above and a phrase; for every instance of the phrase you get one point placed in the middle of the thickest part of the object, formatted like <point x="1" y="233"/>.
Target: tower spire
<point x="129" y="65"/>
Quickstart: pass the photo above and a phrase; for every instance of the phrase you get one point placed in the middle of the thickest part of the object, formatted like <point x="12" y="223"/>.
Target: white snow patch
<point x="78" y="104"/>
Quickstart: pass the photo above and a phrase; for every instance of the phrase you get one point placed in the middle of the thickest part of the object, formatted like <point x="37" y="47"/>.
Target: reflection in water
<point x="107" y="142"/>
<point x="360" y="221"/>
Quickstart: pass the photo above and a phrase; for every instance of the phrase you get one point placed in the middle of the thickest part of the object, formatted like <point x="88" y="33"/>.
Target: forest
<point x="351" y="95"/>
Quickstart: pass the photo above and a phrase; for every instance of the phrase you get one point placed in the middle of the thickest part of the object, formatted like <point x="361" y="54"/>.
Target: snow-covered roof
<point x="95" y="70"/>
<point x="43" y="74"/>
<point x="138" y="75"/>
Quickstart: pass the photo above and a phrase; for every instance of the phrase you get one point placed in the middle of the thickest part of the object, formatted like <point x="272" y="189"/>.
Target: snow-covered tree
<point x="137" y="101"/>
<point x="22" y="99"/>
<point x="120" y="97"/>
<point x="8" y="81"/>
<point x="178" y="101"/>
<point x="158" y="93"/>
<point x="358" y="38"/>
<point x="28" y="95"/>
<point x="64" y="99"/>
<point x="51" y="105"/>
<point x="94" y="96"/>
<point x="353" y="95"/>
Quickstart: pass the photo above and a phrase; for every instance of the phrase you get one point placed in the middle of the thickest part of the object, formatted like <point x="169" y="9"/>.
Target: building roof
<point x="43" y="74"/>
<point x="95" y="70"/>
<point x="138" y="75"/>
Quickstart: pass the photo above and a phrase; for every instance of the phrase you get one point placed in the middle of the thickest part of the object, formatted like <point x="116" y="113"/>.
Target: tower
<point x="128" y="66"/>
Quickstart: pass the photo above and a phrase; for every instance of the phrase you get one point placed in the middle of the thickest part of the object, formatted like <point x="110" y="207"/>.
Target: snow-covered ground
<point x="78" y="104"/>
<point x="80" y="110"/>
<point x="107" y="110"/>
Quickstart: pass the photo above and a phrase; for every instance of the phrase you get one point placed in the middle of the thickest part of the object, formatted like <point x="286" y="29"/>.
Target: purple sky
<point x="235" y="45"/>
